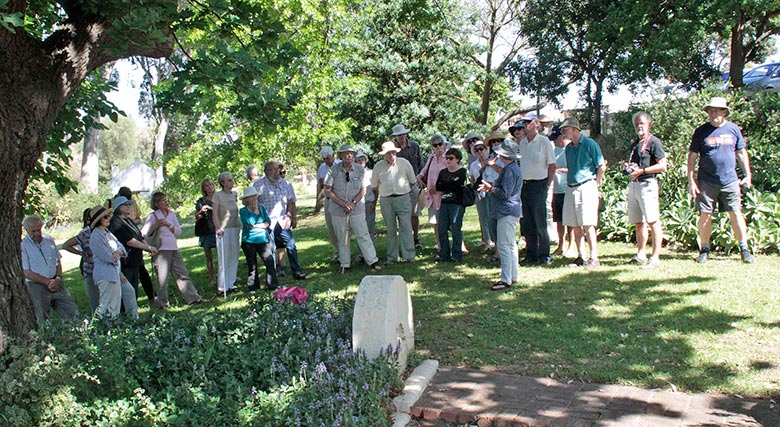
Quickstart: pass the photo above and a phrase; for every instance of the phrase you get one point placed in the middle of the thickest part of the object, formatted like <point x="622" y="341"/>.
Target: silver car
<point x="764" y="77"/>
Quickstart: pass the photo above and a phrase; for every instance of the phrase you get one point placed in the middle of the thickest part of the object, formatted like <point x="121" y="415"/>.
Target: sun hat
<point x="571" y="122"/>
<point x="506" y="150"/>
<point x="96" y="213"/>
<point x="399" y="129"/>
<point x="473" y="135"/>
<point x="718" y="102"/>
<point x="249" y="192"/>
<point x="121" y="200"/>
<point x="360" y="155"/>
<point x="388" y="147"/>
<point x="517" y="125"/>
<point x="556" y="132"/>
<point x="496" y="134"/>
<point x="529" y="117"/>
<point x="346" y="148"/>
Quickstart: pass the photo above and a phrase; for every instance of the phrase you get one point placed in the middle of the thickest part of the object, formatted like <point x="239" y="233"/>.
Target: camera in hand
<point x="630" y="167"/>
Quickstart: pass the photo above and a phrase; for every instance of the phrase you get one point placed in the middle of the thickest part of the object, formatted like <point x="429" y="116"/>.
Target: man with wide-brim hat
<point x="581" y="203"/>
<point x="507" y="209"/>
<point x="393" y="179"/>
<point x="410" y="150"/>
<point x="718" y="146"/>
<point x="344" y="187"/>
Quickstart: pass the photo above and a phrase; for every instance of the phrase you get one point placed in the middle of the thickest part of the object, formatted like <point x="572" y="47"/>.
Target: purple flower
<point x="321" y="368"/>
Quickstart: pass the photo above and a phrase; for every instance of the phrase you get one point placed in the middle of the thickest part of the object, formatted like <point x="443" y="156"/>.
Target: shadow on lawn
<point x="586" y="325"/>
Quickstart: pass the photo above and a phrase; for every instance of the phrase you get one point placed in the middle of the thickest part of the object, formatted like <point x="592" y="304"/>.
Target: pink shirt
<point x="167" y="237"/>
<point x="432" y="168"/>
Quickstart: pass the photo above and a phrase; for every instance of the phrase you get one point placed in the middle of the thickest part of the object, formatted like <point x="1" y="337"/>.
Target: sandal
<point x="500" y="286"/>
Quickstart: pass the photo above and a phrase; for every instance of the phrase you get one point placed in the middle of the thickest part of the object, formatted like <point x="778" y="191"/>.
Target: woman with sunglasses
<point x="428" y="176"/>
<point x="449" y="185"/>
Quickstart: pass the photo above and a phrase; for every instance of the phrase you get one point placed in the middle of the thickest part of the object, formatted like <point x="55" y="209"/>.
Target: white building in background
<point x="138" y="177"/>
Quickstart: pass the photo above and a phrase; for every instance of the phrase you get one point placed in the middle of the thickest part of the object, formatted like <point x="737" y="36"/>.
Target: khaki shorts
<point x="728" y="197"/>
<point x="642" y="203"/>
<point x="581" y="205"/>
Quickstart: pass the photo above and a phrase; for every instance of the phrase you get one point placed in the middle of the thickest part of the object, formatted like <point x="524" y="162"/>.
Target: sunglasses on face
<point x="480" y="148"/>
<point x="437" y="144"/>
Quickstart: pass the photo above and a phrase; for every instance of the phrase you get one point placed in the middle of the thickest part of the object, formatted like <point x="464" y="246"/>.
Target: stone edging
<point x="415" y="386"/>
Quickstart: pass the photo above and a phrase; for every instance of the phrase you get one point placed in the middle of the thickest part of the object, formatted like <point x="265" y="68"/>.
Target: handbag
<point x="469" y="195"/>
<point x="154" y="238"/>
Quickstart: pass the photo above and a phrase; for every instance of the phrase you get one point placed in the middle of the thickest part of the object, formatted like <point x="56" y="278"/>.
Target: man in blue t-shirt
<point x="718" y="145"/>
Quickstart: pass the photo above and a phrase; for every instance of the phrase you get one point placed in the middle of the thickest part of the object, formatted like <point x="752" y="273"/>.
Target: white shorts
<point x="581" y="205"/>
<point x="642" y="203"/>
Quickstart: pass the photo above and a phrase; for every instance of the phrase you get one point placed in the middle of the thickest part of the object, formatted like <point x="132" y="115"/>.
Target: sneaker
<point x="703" y="257"/>
<point x="747" y="257"/>
<point x="637" y="260"/>
<point x="376" y="267"/>
<point x="300" y="276"/>
<point x="592" y="264"/>
<point x="652" y="263"/>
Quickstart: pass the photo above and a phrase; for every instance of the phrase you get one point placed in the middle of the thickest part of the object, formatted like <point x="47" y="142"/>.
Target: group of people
<point x="517" y="177"/>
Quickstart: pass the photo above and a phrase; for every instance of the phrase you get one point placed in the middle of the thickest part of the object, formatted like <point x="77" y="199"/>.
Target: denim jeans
<point x="450" y="219"/>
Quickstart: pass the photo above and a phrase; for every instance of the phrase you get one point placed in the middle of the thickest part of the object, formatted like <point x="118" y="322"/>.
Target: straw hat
<point x="96" y="214"/>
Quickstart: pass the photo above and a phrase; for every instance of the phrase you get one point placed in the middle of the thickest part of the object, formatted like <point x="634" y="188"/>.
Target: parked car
<point x="764" y="77"/>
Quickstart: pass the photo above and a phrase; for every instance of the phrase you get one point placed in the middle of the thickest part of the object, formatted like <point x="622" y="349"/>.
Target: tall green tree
<point x="414" y="66"/>
<point x="47" y="49"/>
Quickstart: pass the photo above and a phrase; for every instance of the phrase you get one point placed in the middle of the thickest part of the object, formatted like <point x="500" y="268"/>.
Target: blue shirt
<point x="559" y="182"/>
<point x="717" y="148"/>
<point x="583" y="160"/>
<point x="250" y="233"/>
<point x="506" y="198"/>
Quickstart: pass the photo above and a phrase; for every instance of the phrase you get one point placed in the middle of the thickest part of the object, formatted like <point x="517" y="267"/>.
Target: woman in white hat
<point x="256" y="240"/>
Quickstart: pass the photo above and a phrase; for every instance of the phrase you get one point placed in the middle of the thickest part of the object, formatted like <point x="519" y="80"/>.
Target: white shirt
<point x="536" y="156"/>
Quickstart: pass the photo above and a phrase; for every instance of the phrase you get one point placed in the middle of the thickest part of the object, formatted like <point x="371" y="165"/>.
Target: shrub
<point x="274" y="364"/>
<point x="674" y="121"/>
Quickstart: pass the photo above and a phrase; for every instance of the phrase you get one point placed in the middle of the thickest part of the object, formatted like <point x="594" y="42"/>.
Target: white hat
<point x="718" y="102"/>
<point x="388" y="147"/>
<point x="249" y="192"/>
<point x="399" y="129"/>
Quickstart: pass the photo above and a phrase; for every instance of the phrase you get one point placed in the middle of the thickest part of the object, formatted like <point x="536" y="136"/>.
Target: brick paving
<point x="488" y="399"/>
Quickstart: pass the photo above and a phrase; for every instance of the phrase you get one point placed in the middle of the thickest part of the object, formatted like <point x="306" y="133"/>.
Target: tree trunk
<point x="90" y="167"/>
<point x="737" y="63"/>
<point x="37" y="77"/>
<point x="595" y="129"/>
<point x="159" y="150"/>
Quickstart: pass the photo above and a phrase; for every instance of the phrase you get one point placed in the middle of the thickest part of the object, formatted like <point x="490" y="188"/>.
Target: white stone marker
<point x="383" y="316"/>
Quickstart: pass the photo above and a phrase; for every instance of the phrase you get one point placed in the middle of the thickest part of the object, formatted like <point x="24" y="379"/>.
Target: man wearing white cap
<point x="393" y="179"/>
<point x="410" y="150"/>
<point x="537" y="161"/>
<point x="581" y="202"/>
<point x="718" y="145"/>
<point x="345" y="189"/>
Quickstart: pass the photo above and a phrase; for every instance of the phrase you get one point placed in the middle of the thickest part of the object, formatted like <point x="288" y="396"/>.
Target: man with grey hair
<point x="43" y="273"/>
<point x="326" y="155"/>
<point x="647" y="159"/>
<point x="252" y="174"/>
<point x="278" y="197"/>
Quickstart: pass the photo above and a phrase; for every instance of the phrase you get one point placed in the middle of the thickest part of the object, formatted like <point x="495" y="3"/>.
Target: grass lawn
<point x="683" y="326"/>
